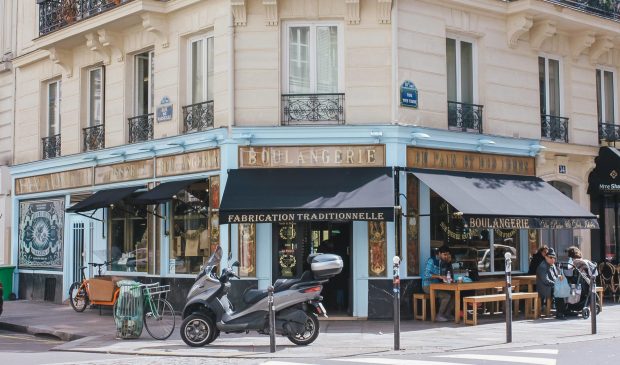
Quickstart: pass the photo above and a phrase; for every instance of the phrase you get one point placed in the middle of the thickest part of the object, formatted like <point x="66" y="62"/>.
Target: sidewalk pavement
<point x="90" y="332"/>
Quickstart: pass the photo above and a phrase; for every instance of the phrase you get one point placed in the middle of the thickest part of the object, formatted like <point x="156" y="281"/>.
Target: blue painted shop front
<point x="171" y="253"/>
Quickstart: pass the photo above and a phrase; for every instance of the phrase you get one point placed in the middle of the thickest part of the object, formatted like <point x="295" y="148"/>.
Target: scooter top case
<point x="325" y="265"/>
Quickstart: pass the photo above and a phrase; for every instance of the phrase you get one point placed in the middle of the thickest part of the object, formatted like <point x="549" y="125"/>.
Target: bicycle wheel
<point x="159" y="319"/>
<point x="78" y="296"/>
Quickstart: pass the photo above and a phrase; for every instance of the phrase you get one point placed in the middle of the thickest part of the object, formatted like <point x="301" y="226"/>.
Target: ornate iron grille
<point x="57" y="14"/>
<point x="141" y="128"/>
<point x="604" y="8"/>
<point x="554" y="128"/>
<point x="312" y="108"/>
<point x="51" y="146"/>
<point x="608" y="132"/>
<point x="94" y="138"/>
<point x="198" y="117"/>
<point x="465" y="117"/>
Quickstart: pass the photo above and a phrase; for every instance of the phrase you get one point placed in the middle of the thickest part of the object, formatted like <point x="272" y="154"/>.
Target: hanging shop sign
<point x="188" y="163"/>
<point x="40" y="234"/>
<point x="126" y="171"/>
<point x="427" y="158"/>
<point x="54" y="181"/>
<point x="311" y="156"/>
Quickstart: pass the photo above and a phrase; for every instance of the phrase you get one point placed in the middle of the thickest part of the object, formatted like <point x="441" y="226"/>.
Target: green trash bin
<point x="128" y="310"/>
<point x="6" y="278"/>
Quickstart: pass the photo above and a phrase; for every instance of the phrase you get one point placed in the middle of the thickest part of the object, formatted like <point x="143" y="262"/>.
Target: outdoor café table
<point x="458" y="287"/>
<point x="529" y="280"/>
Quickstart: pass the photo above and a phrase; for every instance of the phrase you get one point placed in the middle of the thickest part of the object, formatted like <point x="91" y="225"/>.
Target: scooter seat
<point x="252" y="296"/>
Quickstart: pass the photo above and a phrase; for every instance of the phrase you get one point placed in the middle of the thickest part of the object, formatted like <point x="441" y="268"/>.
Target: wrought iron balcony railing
<point x="141" y="128"/>
<point x="604" y="8"/>
<point x="312" y="109"/>
<point x="51" y="146"/>
<point x="57" y="14"/>
<point x="94" y="138"/>
<point x="609" y="132"/>
<point x="198" y="117"/>
<point x="465" y="117"/>
<point x="554" y="128"/>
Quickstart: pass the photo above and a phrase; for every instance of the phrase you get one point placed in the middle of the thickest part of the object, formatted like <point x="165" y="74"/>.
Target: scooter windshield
<point x="215" y="258"/>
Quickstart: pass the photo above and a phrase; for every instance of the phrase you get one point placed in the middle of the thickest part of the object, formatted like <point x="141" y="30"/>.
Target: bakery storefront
<point x="482" y="205"/>
<point x="287" y="202"/>
<point x="152" y="219"/>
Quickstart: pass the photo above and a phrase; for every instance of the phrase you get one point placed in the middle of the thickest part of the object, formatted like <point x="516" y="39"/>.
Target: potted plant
<point x="69" y="11"/>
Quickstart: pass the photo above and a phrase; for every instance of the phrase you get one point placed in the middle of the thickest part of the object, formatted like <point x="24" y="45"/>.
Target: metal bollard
<point x="508" y="305"/>
<point x="593" y="300"/>
<point x="272" y="320"/>
<point x="396" y="293"/>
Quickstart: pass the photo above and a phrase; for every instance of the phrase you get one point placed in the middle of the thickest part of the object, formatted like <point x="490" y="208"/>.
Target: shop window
<point x="191" y="237"/>
<point x="129" y="238"/>
<point x="377" y="249"/>
<point x="247" y="250"/>
<point x="413" y="212"/>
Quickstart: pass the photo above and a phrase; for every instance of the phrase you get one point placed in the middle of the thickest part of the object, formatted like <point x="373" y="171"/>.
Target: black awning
<point x="102" y="199"/>
<point x="605" y="178"/>
<point x="164" y="191"/>
<point x="313" y="194"/>
<point x="500" y="201"/>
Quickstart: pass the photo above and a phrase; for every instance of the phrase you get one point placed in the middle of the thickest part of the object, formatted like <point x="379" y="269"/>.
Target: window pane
<point x="247" y="250"/>
<point x="197" y="78"/>
<point x="53" y="109"/>
<point x="467" y="73"/>
<point x="191" y="236"/>
<point x="451" y="68"/>
<point x="599" y="97"/>
<point x="129" y="238"/>
<point x="95" y="114"/>
<point x="506" y="240"/>
<point x="554" y="87"/>
<point x="377" y="249"/>
<point x="299" y="60"/>
<point x="609" y="97"/>
<point x="327" y="59"/>
<point x="142" y="84"/>
<point x="210" y="68"/>
<point x="542" y="85"/>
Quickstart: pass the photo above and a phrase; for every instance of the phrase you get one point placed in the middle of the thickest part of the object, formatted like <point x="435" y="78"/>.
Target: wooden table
<point x="529" y="280"/>
<point x="458" y="287"/>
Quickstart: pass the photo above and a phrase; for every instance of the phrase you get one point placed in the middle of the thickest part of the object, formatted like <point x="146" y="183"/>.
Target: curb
<point x="37" y="331"/>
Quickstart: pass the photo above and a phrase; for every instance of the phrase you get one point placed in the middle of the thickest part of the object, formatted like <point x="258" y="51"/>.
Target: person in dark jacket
<point x="536" y="259"/>
<point x="546" y="275"/>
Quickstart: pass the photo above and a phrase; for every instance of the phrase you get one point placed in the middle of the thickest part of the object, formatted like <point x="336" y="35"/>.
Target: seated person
<point x="434" y="272"/>
<point x="546" y="275"/>
<point x="536" y="259"/>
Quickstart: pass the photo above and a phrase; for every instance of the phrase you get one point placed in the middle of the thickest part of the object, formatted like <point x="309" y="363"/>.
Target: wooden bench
<point x="599" y="294"/>
<point x="420" y="298"/>
<point x="529" y="313"/>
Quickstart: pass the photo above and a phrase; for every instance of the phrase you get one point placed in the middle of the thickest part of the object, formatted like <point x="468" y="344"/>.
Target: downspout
<point x="395" y="89"/>
<point x="231" y="73"/>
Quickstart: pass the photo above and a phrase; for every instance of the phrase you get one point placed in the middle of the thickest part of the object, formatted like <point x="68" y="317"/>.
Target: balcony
<point x="58" y="14"/>
<point x="141" y="128"/>
<point x="51" y="146"/>
<point x="465" y="117"/>
<point x="609" y="9"/>
<point x="553" y="128"/>
<point x="94" y="138"/>
<point x="198" y="117"/>
<point x="608" y="132"/>
<point x="306" y="109"/>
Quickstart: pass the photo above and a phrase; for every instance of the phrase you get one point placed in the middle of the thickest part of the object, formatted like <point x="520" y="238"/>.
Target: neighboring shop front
<point x="153" y="217"/>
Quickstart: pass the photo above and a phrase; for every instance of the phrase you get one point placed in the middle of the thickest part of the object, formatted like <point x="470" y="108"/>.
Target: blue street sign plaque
<point x="408" y="95"/>
<point x="164" y="110"/>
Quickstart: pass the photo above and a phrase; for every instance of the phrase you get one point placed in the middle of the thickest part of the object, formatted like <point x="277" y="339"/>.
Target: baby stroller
<point x="578" y="274"/>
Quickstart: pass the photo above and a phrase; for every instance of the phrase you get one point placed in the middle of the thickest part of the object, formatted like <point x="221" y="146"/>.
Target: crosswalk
<point x="539" y="356"/>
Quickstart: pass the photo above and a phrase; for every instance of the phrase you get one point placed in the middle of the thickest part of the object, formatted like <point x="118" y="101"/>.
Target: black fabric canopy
<point x="164" y="191"/>
<point x="312" y="194"/>
<point x="500" y="201"/>
<point x="102" y="199"/>
<point x="605" y="178"/>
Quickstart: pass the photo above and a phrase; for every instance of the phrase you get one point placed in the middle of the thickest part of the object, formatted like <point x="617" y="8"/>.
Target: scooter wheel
<point x="310" y="332"/>
<point x="585" y="313"/>
<point x="198" y="330"/>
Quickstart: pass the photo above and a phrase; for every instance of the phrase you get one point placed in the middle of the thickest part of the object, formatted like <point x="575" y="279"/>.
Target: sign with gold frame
<point x="55" y="181"/>
<point x="188" y="163"/>
<point x="312" y="156"/>
<point x="126" y="171"/>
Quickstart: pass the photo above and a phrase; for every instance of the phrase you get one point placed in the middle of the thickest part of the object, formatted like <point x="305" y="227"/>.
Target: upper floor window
<point x="460" y="70"/>
<point x="201" y="65"/>
<point x="144" y="98"/>
<point x="549" y="84"/>
<point x="605" y="97"/>
<point x="313" y="60"/>
<point x="53" y="108"/>
<point x="95" y="96"/>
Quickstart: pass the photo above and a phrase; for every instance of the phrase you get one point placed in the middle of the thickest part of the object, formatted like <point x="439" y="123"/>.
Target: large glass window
<point x="201" y="66"/>
<point x="549" y="84"/>
<point x="129" y="238"/>
<point x="95" y="97"/>
<point x="144" y="83"/>
<point x="605" y="97"/>
<point x="313" y="61"/>
<point x="53" y="108"/>
<point x="460" y="70"/>
<point x="559" y="239"/>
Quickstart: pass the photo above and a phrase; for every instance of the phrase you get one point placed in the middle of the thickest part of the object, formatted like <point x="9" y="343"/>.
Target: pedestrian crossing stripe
<point x="540" y="351"/>
<point x="503" y="358"/>
<point x="384" y="361"/>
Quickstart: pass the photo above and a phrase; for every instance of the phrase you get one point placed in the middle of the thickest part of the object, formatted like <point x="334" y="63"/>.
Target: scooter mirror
<point x="229" y="256"/>
<point x="235" y="264"/>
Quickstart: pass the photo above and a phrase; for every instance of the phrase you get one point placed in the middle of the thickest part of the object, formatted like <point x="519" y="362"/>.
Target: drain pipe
<point x="231" y="72"/>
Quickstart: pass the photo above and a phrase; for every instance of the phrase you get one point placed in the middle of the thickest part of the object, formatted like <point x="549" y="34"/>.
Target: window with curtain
<point x="605" y="96"/>
<point x="460" y="70"/>
<point x="95" y="96"/>
<point x="53" y="108"/>
<point x="144" y="83"/>
<point x="313" y="62"/>
<point x="549" y="84"/>
<point x="201" y="66"/>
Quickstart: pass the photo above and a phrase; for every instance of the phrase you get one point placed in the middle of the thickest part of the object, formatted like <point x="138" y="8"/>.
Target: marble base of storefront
<point x="39" y="286"/>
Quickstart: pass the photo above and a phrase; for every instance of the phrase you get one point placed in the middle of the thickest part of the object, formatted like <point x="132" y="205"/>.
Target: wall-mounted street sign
<point x="408" y="95"/>
<point x="164" y="110"/>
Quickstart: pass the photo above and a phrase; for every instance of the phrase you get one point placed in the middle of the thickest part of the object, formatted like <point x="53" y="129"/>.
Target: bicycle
<point x="79" y="292"/>
<point x="158" y="315"/>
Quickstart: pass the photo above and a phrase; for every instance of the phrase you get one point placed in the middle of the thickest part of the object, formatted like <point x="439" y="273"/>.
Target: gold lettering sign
<point x="188" y="163"/>
<point x="55" y="181"/>
<point x="296" y="217"/>
<point x="312" y="156"/>
<point x="499" y="223"/>
<point x="426" y="158"/>
<point x="126" y="171"/>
